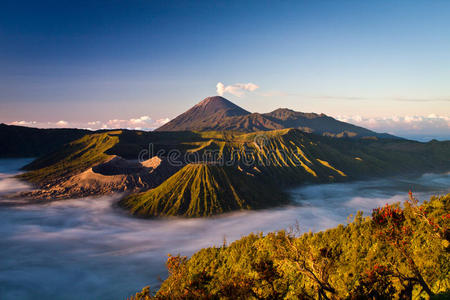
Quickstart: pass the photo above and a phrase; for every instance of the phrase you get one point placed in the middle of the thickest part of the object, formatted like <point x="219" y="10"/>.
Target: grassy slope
<point x="290" y="156"/>
<point x="282" y="157"/>
<point x="72" y="159"/>
<point x="203" y="190"/>
<point x="287" y="155"/>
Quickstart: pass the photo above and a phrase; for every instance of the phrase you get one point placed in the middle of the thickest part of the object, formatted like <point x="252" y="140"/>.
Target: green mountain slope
<point x="71" y="159"/>
<point x="203" y="190"/>
<point x="283" y="158"/>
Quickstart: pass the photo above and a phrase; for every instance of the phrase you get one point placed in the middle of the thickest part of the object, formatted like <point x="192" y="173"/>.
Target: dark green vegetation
<point x="239" y="171"/>
<point x="202" y="190"/>
<point x="217" y="113"/>
<point x="398" y="253"/>
<point x="19" y="141"/>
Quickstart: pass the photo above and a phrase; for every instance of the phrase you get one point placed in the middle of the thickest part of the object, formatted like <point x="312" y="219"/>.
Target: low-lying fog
<point x="88" y="249"/>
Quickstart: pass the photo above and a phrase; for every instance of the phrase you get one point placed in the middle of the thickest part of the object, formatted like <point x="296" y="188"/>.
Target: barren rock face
<point x="114" y="175"/>
<point x="152" y="163"/>
<point x="118" y="166"/>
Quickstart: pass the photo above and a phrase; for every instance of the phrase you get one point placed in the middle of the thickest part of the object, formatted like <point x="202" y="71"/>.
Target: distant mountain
<point x="320" y="123"/>
<point x="218" y="113"/>
<point x="210" y="111"/>
<point x="20" y="141"/>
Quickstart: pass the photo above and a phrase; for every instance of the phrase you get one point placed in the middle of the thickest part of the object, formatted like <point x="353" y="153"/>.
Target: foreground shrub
<point x="401" y="252"/>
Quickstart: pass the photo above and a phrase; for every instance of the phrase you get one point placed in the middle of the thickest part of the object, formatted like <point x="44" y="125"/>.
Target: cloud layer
<point x="141" y="123"/>
<point x="237" y="89"/>
<point x="410" y="125"/>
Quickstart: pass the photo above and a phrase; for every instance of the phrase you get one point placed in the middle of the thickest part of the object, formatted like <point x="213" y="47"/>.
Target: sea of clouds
<point x="90" y="249"/>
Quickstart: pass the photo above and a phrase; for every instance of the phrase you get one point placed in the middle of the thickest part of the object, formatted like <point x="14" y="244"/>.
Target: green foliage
<point x="346" y="262"/>
<point x="375" y="283"/>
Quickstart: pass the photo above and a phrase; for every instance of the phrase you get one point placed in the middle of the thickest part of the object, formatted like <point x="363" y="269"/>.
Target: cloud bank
<point x="427" y="127"/>
<point x="409" y="126"/>
<point x="141" y="123"/>
<point x="237" y="89"/>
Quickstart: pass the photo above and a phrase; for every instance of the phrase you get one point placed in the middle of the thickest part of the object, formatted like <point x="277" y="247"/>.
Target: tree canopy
<point x="402" y="251"/>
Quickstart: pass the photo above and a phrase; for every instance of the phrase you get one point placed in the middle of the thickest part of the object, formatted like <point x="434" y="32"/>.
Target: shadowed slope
<point x="20" y="141"/>
<point x="219" y="114"/>
<point x="320" y="124"/>
<point x="210" y="111"/>
<point x="204" y="190"/>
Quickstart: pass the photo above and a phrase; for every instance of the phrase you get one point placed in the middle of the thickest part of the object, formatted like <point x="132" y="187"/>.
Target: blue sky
<point x="382" y="64"/>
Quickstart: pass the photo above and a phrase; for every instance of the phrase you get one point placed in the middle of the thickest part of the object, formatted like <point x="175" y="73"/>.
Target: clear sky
<point x="381" y="64"/>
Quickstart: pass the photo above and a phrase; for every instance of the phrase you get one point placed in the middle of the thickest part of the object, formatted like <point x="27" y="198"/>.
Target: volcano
<point x="219" y="114"/>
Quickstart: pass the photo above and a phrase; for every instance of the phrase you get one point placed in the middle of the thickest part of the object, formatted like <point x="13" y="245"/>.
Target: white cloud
<point x="140" y="123"/>
<point x="62" y="123"/>
<point x="162" y="121"/>
<point x="94" y="123"/>
<point x="407" y="125"/>
<point x="23" y="123"/>
<point x="59" y="124"/>
<point x="143" y="122"/>
<point x="237" y="89"/>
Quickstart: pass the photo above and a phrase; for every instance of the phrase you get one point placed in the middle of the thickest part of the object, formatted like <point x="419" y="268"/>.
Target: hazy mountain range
<point x="211" y="114"/>
<point x="218" y="113"/>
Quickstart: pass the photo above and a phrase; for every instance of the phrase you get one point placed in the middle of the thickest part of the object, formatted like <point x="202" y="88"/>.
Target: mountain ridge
<point x="208" y="111"/>
<point x="22" y="141"/>
<point x="219" y="114"/>
<point x="105" y="162"/>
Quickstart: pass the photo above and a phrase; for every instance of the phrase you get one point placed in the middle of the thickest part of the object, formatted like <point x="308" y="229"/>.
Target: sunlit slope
<point x="71" y="159"/>
<point x="288" y="156"/>
<point x="203" y="190"/>
<point x="282" y="153"/>
<point x="248" y="162"/>
<point x="284" y="156"/>
<point x="92" y="149"/>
